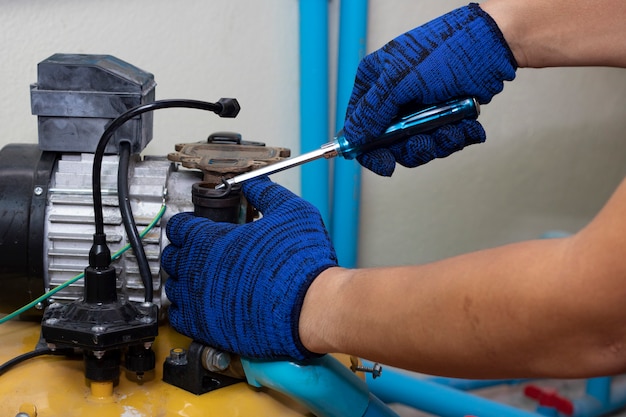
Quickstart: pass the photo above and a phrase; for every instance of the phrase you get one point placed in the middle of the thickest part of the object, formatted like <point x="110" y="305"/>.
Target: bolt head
<point x="178" y="356"/>
<point x="221" y="360"/>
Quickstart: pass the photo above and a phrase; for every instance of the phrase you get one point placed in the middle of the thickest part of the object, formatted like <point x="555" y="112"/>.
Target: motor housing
<point x="46" y="201"/>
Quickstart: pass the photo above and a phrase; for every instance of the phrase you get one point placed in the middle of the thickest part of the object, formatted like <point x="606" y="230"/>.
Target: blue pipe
<point x="604" y="395"/>
<point x="314" y="118"/>
<point x="324" y="385"/>
<point x="347" y="173"/>
<point x="472" y="384"/>
<point x="599" y="388"/>
<point x="437" y="399"/>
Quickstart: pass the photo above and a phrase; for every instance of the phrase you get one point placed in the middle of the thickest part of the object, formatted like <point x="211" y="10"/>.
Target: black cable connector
<point x="230" y="107"/>
<point x="99" y="254"/>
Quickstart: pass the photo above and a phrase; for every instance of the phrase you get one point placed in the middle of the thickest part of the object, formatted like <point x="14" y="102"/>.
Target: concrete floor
<point x="513" y="395"/>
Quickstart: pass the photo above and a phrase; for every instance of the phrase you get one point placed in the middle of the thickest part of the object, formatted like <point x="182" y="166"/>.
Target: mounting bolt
<point x="38" y="190"/>
<point x="178" y="356"/>
<point x="215" y="360"/>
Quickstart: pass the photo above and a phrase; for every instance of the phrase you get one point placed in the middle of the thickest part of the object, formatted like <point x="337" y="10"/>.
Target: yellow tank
<point x="55" y="386"/>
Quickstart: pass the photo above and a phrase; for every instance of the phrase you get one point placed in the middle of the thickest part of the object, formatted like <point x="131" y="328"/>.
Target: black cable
<point x="99" y="255"/>
<point x="33" y="354"/>
<point x="224" y="108"/>
<point x="129" y="221"/>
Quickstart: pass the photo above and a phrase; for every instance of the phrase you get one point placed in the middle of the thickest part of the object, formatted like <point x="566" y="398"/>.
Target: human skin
<point x="549" y="33"/>
<point x="541" y="308"/>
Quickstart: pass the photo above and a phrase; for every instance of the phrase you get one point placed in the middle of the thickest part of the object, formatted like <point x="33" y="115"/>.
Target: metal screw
<point x="52" y="321"/>
<point x="375" y="370"/>
<point x="38" y="190"/>
<point x="98" y="329"/>
<point x="39" y="306"/>
<point x="99" y="354"/>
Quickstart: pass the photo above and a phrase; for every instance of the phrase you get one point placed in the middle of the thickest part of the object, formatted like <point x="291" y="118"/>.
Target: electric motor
<point x="46" y="200"/>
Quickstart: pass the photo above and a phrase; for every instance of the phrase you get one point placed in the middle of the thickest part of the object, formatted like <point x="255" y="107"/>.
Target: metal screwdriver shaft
<point x="421" y="121"/>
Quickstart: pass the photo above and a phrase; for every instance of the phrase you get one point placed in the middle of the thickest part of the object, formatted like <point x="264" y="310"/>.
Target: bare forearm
<point x="484" y="315"/>
<point x="553" y="33"/>
<point x="538" y="308"/>
<point x="467" y="316"/>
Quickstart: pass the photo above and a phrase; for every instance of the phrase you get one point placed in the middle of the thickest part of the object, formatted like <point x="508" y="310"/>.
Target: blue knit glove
<point x="459" y="54"/>
<point x="240" y="288"/>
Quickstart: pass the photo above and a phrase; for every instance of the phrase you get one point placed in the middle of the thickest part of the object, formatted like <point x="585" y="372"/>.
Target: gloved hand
<point x="459" y="54"/>
<point x="240" y="288"/>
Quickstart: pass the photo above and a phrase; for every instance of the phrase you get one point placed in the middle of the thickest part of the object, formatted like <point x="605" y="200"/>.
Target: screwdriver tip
<point x="226" y="183"/>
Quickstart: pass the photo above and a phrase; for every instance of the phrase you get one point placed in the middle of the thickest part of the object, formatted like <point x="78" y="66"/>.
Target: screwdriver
<point x="423" y="120"/>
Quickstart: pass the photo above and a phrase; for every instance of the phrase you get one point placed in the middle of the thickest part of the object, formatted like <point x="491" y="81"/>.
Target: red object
<point x="549" y="398"/>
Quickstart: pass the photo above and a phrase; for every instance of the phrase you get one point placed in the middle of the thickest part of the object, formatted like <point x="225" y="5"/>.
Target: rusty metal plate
<point x="225" y="160"/>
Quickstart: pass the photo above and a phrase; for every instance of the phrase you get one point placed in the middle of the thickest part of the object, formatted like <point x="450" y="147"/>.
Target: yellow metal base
<point x="54" y="386"/>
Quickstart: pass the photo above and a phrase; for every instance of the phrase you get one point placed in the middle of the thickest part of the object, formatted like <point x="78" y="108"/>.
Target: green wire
<point x="81" y="275"/>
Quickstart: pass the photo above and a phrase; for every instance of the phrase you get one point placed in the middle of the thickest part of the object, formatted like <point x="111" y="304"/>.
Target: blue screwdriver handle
<point x="421" y="121"/>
